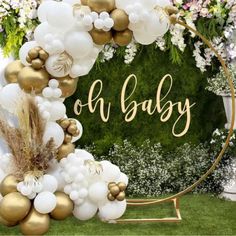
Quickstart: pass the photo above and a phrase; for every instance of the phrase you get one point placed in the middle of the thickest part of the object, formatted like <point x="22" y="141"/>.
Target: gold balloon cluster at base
<point x="116" y="191"/>
<point x="34" y="78"/>
<point x="119" y="33"/>
<point x="17" y="209"/>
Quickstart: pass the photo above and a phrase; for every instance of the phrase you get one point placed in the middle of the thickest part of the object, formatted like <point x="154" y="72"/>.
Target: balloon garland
<point x="42" y="174"/>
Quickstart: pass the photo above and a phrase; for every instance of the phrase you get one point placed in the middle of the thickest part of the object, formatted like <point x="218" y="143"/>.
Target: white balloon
<point x="55" y="46"/>
<point x="110" y="172"/>
<point x="98" y="192"/>
<point x="123" y="178"/>
<point x="45" y="202"/>
<point x="52" y="69"/>
<point x="80" y="128"/>
<point x="122" y="4"/>
<point x="72" y="2"/>
<point x="78" y="44"/>
<point x="49" y="183"/>
<point x="43" y="9"/>
<point x="85" y="211"/>
<point x="23" y="53"/>
<point x="61" y="16"/>
<point x="58" y="111"/>
<point x="112" y="210"/>
<point x="164" y="3"/>
<point x="53" y="130"/>
<point x="84" y="155"/>
<point x="10" y="96"/>
<point x="60" y="180"/>
<point x="148" y="4"/>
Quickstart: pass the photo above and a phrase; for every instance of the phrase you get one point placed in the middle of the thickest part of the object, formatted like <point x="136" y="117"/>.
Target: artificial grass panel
<point x="150" y="65"/>
<point x="202" y="215"/>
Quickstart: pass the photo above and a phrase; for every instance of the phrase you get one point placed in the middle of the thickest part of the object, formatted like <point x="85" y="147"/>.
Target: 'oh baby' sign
<point x="130" y="107"/>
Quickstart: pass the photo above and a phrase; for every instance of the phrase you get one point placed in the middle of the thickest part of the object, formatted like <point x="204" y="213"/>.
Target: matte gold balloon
<point x="64" y="150"/>
<point x="8" y="185"/>
<point x="37" y="64"/>
<point x="12" y="71"/>
<point x="122" y="186"/>
<point x="121" y="20"/>
<point x="35" y="223"/>
<point x="33" y="53"/>
<point x="101" y="5"/>
<point x="68" y="85"/>
<point x="31" y="80"/>
<point x="121" y="196"/>
<point x="72" y="129"/>
<point x="7" y="223"/>
<point x="115" y="190"/>
<point x="123" y="38"/>
<point x="63" y="208"/>
<point x="43" y="55"/>
<point x="14" y="207"/>
<point x="100" y="37"/>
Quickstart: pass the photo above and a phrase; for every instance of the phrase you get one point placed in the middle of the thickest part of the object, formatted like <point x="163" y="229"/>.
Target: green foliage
<point x="149" y="66"/>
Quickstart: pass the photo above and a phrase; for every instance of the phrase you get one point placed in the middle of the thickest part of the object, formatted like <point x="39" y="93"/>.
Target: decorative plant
<point x="219" y="83"/>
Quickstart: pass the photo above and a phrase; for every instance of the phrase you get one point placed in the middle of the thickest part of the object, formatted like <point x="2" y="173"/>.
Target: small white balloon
<point x="85" y="211"/>
<point x="49" y="183"/>
<point x="98" y="192"/>
<point x="45" y="202"/>
<point x="47" y="92"/>
<point x="84" y="155"/>
<point x="55" y="132"/>
<point x="108" y="23"/>
<point x="99" y="24"/>
<point x="23" y="53"/>
<point x="74" y="195"/>
<point x="58" y="111"/>
<point x="53" y="83"/>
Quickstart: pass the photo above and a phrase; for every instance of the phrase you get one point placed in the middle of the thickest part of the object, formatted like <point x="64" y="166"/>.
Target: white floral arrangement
<point x="219" y="83"/>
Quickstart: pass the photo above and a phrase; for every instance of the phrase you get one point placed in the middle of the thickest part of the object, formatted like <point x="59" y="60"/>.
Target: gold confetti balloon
<point x="8" y="185"/>
<point x="67" y="85"/>
<point x="123" y="38"/>
<point x="101" y="5"/>
<point x="35" y="223"/>
<point x="64" y="150"/>
<point x="12" y="71"/>
<point x="63" y="208"/>
<point x="31" y="80"/>
<point x="100" y="37"/>
<point x="14" y="207"/>
<point x="121" y="20"/>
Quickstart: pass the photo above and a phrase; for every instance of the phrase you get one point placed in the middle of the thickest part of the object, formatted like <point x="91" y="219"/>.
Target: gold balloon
<point x="31" y="80"/>
<point x="101" y="5"/>
<point x="63" y="208"/>
<point x="100" y="37"/>
<point x="43" y="55"/>
<point x="33" y="53"/>
<point x="64" y="123"/>
<point x="122" y="186"/>
<point x="121" y="20"/>
<point x="68" y="85"/>
<point x="14" y="207"/>
<point x="121" y="196"/>
<point x="115" y="190"/>
<point x="12" y="70"/>
<point x="72" y="129"/>
<point x="35" y="223"/>
<point x="84" y="2"/>
<point x="64" y="150"/>
<point x="8" y="185"/>
<point x="68" y="138"/>
<point x="7" y="223"/>
<point x="110" y="197"/>
<point x="123" y="38"/>
<point x="37" y="64"/>
<point x="111" y="184"/>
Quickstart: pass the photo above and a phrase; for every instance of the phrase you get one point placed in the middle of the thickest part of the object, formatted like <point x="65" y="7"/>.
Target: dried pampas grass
<point x="30" y="155"/>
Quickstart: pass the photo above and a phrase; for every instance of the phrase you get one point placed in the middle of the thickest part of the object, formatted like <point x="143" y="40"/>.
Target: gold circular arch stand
<point x="175" y="198"/>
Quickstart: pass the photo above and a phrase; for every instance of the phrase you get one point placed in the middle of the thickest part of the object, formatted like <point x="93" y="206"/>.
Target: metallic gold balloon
<point x="84" y="2"/>
<point x="63" y="208"/>
<point x="123" y="38"/>
<point x="12" y="71"/>
<point x="101" y="5"/>
<point x="43" y="55"/>
<point x="8" y="185"/>
<point x="115" y="190"/>
<point x="37" y="64"/>
<point x="111" y="184"/>
<point x="100" y="37"/>
<point x="72" y="129"/>
<point x="64" y="150"/>
<point x="68" y="85"/>
<point x="14" y="207"/>
<point x="121" y="20"/>
<point x="7" y="223"/>
<point x="122" y="186"/>
<point x="68" y="138"/>
<point x="33" y="53"/>
<point x="110" y="197"/>
<point x="31" y="80"/>
<point x="120" y="197"/>
<point x="64" y="123"/>
<point x="35" y="223"/>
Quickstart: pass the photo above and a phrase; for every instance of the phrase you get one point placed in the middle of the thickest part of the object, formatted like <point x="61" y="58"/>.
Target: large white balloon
<point x="85" y="211"/>
<point x="98" y="192"/>
<point x="24" y="51"/>
<point x="44" y="8"/>
<point x="61" y="16"/>
<point x="10" y="96"/>
<point x="110" y="172"/>
<point x="149" y="4"/>
<point x="164" y="3"/>
<point x="122" y="4"/>
<point x="45" y="202"/>
<point x="49" y="183"/>
<point x="123" y="178"/>
<point x="78" y="44"/>
<point x="84" y="155"/>
<point x="53" y="130"/>
<point x="58" y="111"/>
<point x="112" y="210"/>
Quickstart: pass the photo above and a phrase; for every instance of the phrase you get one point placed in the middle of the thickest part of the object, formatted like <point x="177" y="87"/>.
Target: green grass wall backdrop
<point x="150" y="65"/>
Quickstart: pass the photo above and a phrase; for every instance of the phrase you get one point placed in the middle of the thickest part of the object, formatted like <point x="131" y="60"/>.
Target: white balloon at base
<point x="24" y="51"/>
<point x="45" y="202"/>
<point x="49" y="183"/>
<point x="85" y="211"/>
<point x="98" y="192"/>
